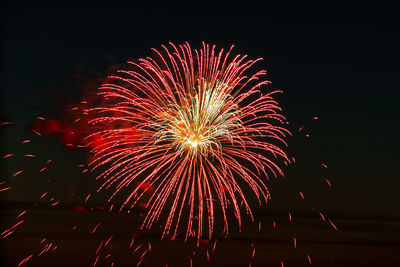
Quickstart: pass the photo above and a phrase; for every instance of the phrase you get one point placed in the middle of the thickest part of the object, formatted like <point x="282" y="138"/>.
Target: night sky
<point x="340" y="64"/>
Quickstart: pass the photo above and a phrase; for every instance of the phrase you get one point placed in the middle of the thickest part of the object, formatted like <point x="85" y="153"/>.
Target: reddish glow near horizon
<point x="193" y="127"/>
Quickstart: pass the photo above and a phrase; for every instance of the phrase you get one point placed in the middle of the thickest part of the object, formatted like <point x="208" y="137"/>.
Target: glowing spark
<point x="328" y="182"/>
<point x="55" y="203"/>
<point x="95" y="228"/>
<point x="25" y="260"/>
<point x="309" y="258"/>
<point x="334" y="226"/>
<point x="22" y="213"/>
<point x="5" y="189"/>
<point x="18" y="172"/>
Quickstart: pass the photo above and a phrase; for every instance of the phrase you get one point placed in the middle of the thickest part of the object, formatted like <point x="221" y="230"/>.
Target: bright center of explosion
<point x="193" y="143"/>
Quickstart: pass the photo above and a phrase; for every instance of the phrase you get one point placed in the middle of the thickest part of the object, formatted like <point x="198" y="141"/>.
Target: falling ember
<point x="17" y="173"/>
<point x="309" y="258"/>
<point x="215" y="245"/>
<point x="328" y="182"/>
<point x="334" y="226"/>
<point x="9" y="231"/>
<point x="322" y="216"/>
<point x="5" y="189"/>
<point x="190" y="125"/>
<point x="22" y="213"/>
<point x="25" y="260"/>
<point x="55" y="203"/>
<point x="95" y="228"/>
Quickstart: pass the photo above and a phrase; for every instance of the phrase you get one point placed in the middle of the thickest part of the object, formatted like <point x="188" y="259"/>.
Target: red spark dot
<point x="143" y="205"/>
<point x="324" y="165"/>
<point x="79" y="209"/>
<point x="301" y="195"/>
<point x="204" y="241"/>
<point x="315" y="118"/>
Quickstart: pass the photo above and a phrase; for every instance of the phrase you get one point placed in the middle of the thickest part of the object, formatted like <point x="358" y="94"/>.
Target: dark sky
<point x="338" y="63"/>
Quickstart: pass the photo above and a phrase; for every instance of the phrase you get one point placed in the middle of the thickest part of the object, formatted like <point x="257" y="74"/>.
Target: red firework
<point x="193" y="128"/>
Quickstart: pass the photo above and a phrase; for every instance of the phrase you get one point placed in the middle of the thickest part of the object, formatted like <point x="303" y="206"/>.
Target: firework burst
<point x="195" y="128"/>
